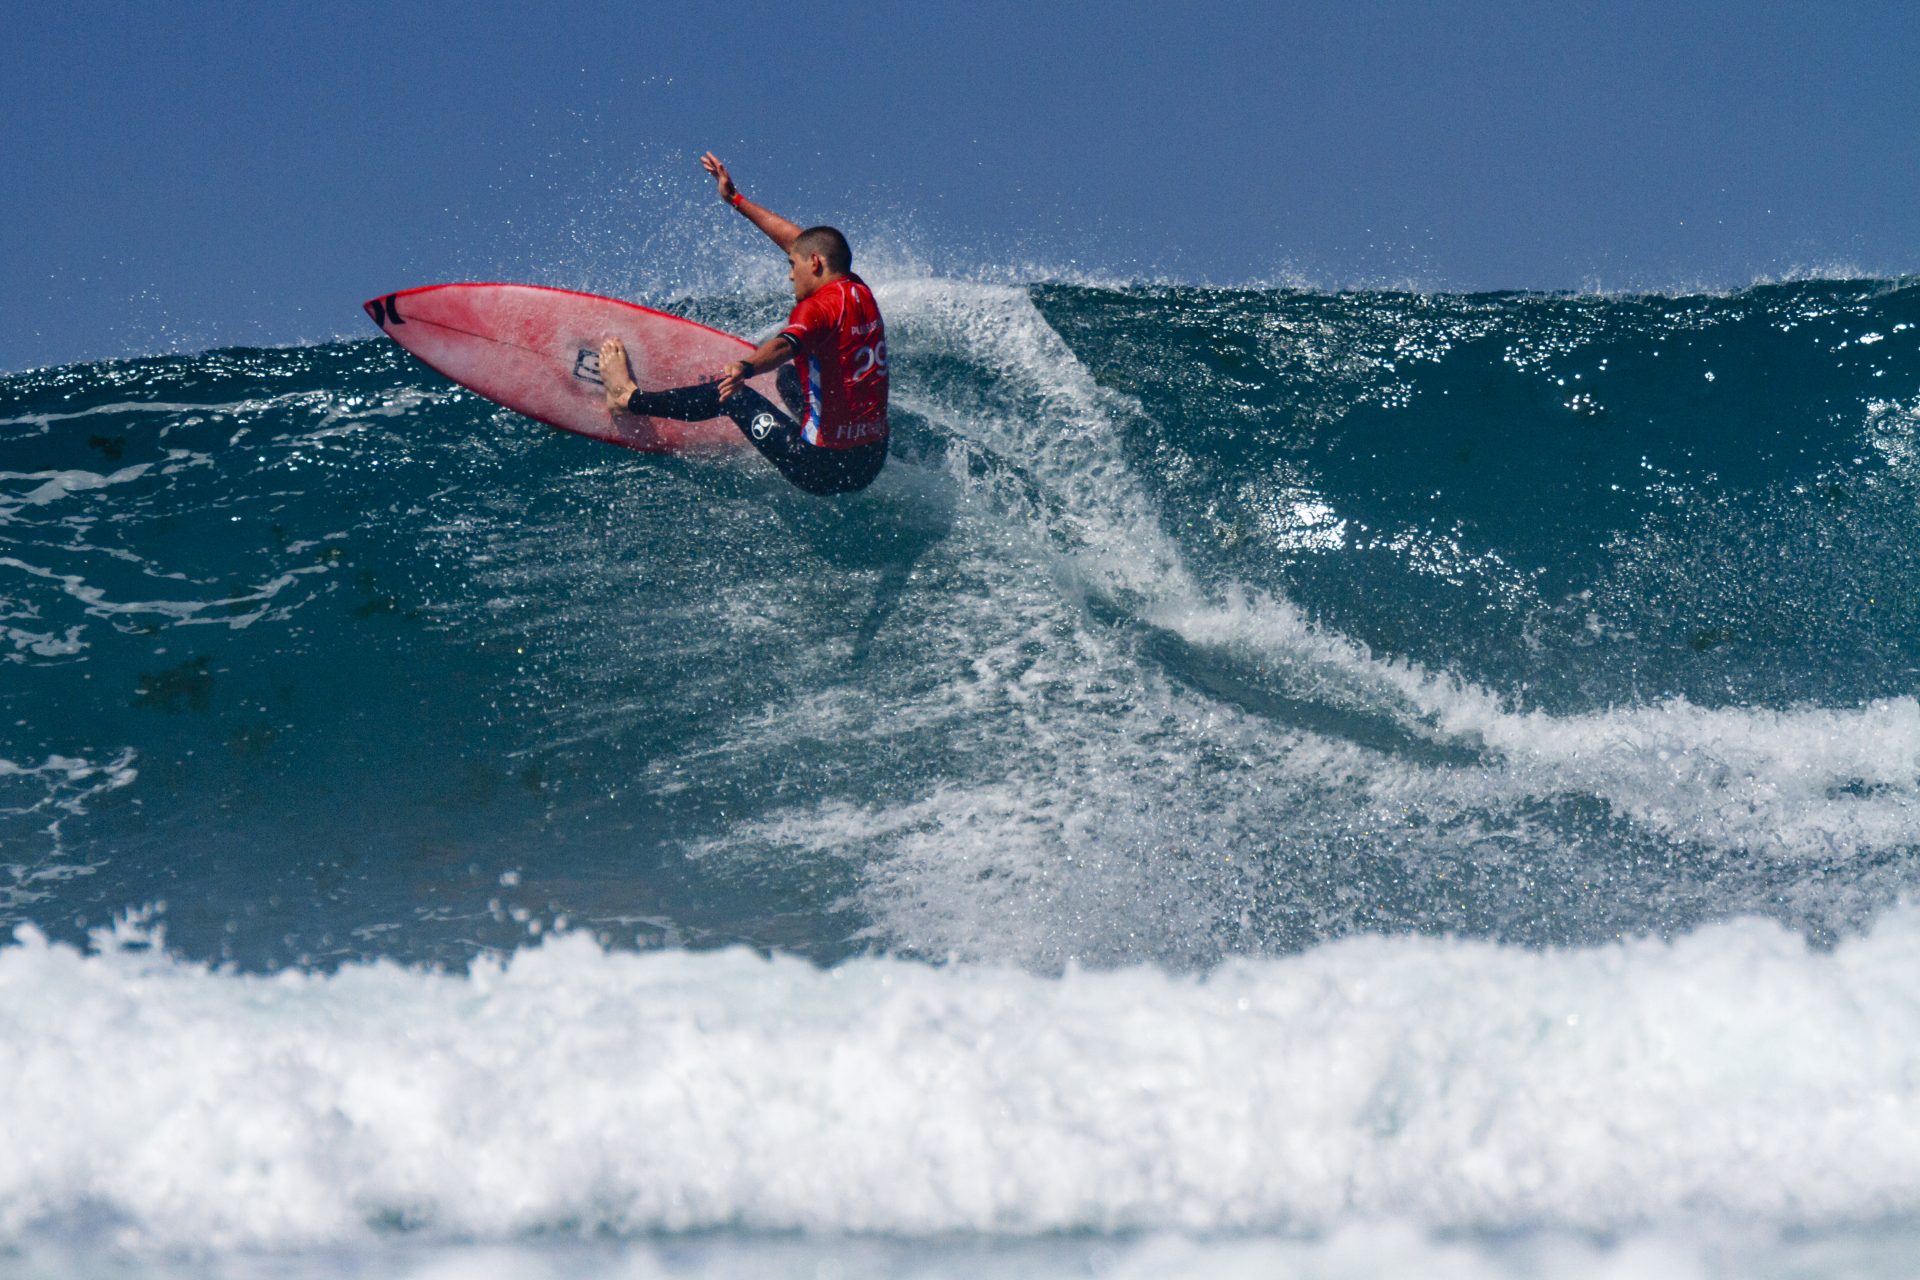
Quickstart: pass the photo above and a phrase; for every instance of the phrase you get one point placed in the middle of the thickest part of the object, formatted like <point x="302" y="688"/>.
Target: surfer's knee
<point x="787" y="383"/>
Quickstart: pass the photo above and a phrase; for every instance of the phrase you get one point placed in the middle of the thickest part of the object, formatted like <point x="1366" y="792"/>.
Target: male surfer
<point x="834" y="337"/>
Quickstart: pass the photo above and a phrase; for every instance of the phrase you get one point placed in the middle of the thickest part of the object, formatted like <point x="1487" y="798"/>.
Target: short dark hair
<point x="829" y="244"/>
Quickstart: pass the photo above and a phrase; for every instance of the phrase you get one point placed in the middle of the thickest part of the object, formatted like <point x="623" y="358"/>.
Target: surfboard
<point x="537" y="351"/>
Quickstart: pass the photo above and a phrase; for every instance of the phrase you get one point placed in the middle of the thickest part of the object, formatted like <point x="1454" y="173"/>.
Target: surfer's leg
<point x="696" y="403"/>
<point x="776" y="435"/>
<point x="807" y="467"/>
<point x="830" y="471"/>
<point x="787" y="380"/>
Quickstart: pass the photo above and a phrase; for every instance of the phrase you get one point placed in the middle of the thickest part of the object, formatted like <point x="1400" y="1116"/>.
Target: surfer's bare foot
<point x="614" y="376"/>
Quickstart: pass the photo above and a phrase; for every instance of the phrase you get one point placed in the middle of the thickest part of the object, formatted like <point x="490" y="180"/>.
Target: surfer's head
<point x="818" y="254"/>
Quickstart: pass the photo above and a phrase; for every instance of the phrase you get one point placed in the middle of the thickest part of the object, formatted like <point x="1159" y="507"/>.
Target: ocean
<point x="1268" y="783"/>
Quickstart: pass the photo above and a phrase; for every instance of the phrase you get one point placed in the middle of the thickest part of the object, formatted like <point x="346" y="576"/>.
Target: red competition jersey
<point x="840" y="348"/>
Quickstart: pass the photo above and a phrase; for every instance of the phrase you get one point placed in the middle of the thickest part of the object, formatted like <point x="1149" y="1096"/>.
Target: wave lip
<point x="1732" y="1075"/>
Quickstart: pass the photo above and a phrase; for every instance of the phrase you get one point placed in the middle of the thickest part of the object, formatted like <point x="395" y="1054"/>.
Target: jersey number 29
<point x="869" y="358"/>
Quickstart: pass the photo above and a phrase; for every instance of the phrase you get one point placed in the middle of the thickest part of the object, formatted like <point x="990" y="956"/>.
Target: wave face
<point x="1317" y="740"/>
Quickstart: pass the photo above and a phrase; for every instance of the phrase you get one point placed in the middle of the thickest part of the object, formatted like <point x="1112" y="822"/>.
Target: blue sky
<point x="195" y="174"/>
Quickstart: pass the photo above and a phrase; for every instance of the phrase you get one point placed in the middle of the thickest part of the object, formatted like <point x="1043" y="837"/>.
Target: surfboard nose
<point x="382" y="311"/>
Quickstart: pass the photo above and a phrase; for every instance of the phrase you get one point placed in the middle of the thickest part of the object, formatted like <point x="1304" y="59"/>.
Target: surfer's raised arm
<point x="777" y="228"/>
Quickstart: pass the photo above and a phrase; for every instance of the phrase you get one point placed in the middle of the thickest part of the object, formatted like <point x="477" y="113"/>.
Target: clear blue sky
<point x="194" y="174"/>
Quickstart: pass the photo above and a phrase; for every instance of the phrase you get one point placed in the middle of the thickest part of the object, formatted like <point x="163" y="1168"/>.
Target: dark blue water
<point x="1272" y="642"/>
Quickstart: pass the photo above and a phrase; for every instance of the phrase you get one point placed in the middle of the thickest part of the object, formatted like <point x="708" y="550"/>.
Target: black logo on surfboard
<point x="586" y="367"/>
<point x="382" y="311"/>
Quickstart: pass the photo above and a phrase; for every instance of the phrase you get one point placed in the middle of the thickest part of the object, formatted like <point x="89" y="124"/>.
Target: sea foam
<point x="1731" y="1075"/>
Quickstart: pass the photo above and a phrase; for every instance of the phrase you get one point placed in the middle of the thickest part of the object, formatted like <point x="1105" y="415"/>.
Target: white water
<point x="1731" y="1076"/>
<point x="1385" y="1250"/>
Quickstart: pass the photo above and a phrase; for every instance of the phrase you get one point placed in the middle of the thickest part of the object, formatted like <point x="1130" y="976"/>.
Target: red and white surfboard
<point x="537" y="351"/>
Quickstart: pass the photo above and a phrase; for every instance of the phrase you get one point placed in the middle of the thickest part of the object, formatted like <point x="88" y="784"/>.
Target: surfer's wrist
<point x="736" y="199"/>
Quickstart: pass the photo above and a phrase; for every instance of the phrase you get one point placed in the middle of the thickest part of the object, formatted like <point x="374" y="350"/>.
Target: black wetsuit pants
<point x="775" y="434"/>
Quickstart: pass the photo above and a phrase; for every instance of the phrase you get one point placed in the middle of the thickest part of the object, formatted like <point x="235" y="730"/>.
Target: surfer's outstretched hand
<point x="721" y="178"/>
<point x="615" y="375"/>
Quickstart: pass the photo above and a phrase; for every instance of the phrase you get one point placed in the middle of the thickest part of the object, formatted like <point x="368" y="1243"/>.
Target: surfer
<point x="835" y="441"/>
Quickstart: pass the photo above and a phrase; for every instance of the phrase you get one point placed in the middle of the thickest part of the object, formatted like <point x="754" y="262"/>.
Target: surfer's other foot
<point x="615" y="374"/>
